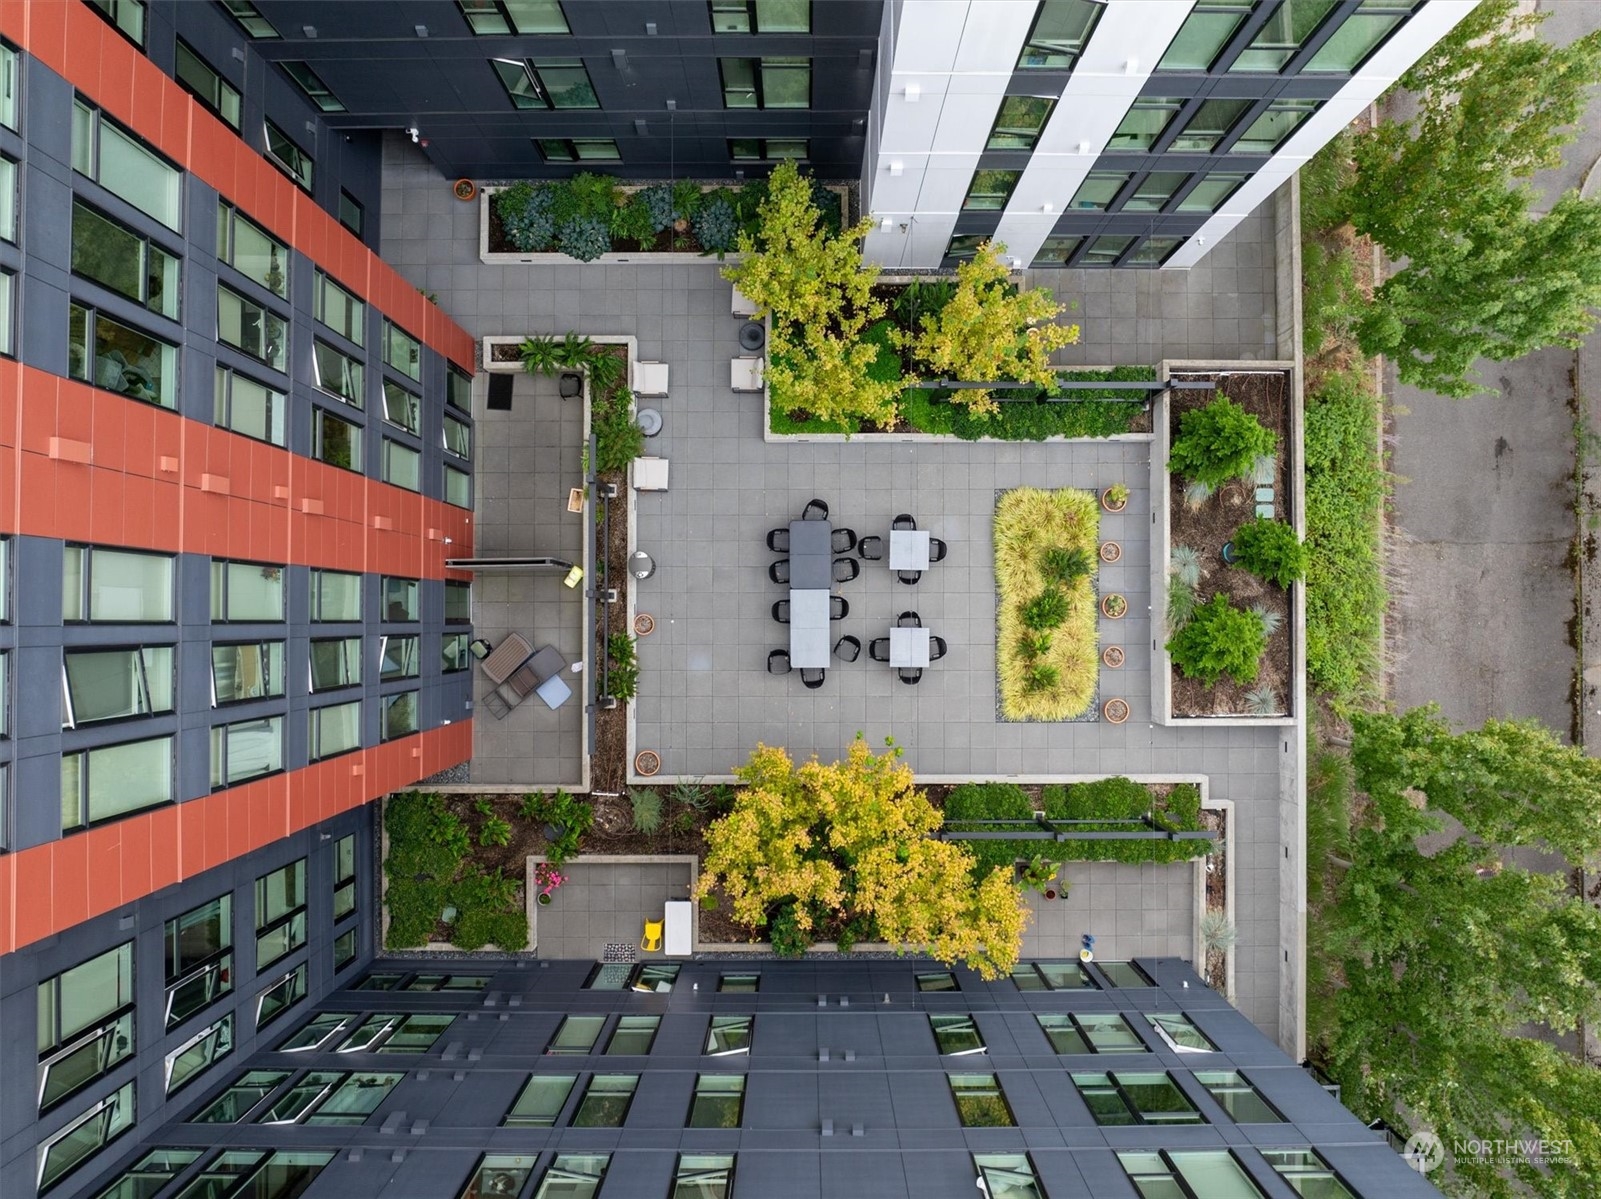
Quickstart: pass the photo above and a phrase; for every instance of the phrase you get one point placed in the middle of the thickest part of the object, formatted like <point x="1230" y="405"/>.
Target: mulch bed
<point x="1267" y="397"/>
<point x="1216" y="973"/>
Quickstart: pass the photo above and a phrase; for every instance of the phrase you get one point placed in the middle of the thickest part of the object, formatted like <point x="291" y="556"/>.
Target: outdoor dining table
<point x="908" y="549"/>
<point x="811" y="556"/>
<point x="908" y="647"/>
<point x="808" y="625"/>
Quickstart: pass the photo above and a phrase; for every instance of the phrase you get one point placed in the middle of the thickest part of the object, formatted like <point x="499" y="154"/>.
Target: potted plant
<point x="1115" y="497"/>
<point x="547" y="878"/>
<point x="1111" y="551"/>
<point x="465" y="189"/>
<point x="1037" y="875"/>
<point x="1116" y="711"/>
<point x="1114" y="606"/>
<point x="1112" y="655"/>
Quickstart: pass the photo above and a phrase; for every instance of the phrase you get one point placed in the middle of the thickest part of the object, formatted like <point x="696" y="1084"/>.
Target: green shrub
<point x="859" y="928"/>
<point x="1034" y="645"/>
<point x="921" y="298"/>
<point x="1181" y="601"/>
<point x="717" y="228"/>
<point x="526" y="216"/>
<point x="633" y="221"/>
<point x="690" y="795"/>
<point x="532" y="807"/>
<point x="981" y="802"/>
<point x="657" y="200"/>
<point x="622" y="675"/>
<point x="647" y="810"/>
<point x="1066" y="564"/>
<point x="1113" y="799"/>
<point x="585" y="237"/>
<point x="1270" y="550"/>
<point x="1184" y="562"/>
<point x="428" y="870"/>
<point x="1047" y="610"/>
<point x="585" y="195"/>
<point x="1218" y="442"/>
<point x="687" y="199"/>
<point x="788" y="939"/>
<point x="494" y="831"/>
<point x="1041" y="677"/>
<point x="618" y="437"/>
<point x="1219" y="639"/>
<point x="487" y="912"/>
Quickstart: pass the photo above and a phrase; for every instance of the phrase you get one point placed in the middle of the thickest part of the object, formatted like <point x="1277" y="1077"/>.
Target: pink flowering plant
<point x="547" y="878"/>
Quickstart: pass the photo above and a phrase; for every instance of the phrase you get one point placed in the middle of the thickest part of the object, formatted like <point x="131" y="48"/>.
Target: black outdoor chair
<point x="871" y="548"/>
<point x="816" y="510"/>
<point x="909" y="577"/>
<point x="781" y="611"/>
<point x="838" y="609"/>
<point x="936" y="648"/>
<point x="936" y="550"/>
<point x="843" y="540"/>
<point x="779" y="571"/>
<point x="570" y="386"/>
<point x="908" y="620"/>
<point x="878" y="649"/>
<point x="911" y="675"/>
<point x="812" y="676"/>
<point x="778" y="540"/>
<point x="903" y="522"/>
<point x="778" y="662"/>
<point x="845" y="569"/>
<point x="847" y="649"/>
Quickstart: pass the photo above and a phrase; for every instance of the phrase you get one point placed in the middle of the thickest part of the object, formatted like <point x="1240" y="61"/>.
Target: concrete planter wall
<point x="1162" y="546"/>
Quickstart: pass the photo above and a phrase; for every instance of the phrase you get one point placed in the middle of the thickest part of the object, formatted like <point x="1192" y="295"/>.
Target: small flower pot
<point x="647" y="762"/>
<point x="1115" y="711"/>
<point x="1049" y="893"/>
<point x="644" y="624"/>
<point x="1111" y="551"/>
<point x="1112" y="656"/>
<point x="1114" y="606"/>
<point x="1110" y="504"/>
<point x="544" y="899"/>
<point x="464" y="189"/>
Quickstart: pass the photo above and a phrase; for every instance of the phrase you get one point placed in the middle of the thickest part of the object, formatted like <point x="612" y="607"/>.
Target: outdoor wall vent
<point x="422" y="30"/>
<point x="619" y="59"/>
<point x="1047" y="207"/>
<point x="672" y="106"/>
<point x="650" y="28"/>
<point x="309" y="30"/>
<point x="885" y="225"/>
<point x="639" y="127"/>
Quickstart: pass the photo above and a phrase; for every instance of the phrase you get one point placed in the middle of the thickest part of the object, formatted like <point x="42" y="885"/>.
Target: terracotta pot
<point x="1110" y="505"/>
<point x="1112" y="656"/>
<point x="464" y="189"/>
<point x="647" y="762"/>
<point x="1049" y="893"/>
<point x="644" y="624"/>
<point x="1116" y="711"/>
<point x="1111" y="551"/>
<point x="1109" y="612"/>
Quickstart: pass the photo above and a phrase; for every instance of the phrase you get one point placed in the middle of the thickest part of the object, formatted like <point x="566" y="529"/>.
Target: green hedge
<point x="1111" y="803"/>
<point x="429" y="869"/>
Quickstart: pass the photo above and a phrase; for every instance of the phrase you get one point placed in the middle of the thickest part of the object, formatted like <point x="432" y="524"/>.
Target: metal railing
<point x="1043" y="828"/>
<point x="597" y="617"/>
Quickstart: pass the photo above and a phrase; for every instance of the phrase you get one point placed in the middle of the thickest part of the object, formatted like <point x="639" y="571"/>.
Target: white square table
<point x="554" y="691"/>
<point x="908" y="647"/>
<point x="808" y="628"/>
<point x="908" y="549"/>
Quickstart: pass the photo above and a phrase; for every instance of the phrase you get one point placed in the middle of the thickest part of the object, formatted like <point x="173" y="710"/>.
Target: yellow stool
<point x="653" y="936"/>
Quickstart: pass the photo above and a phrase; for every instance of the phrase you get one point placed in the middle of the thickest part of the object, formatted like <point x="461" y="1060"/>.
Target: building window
<point x="288" y="157"/>
<point x="1007" y="1174"/>
<point x="1019" y="121"/>
<point x="280" y="913"/>
<point x="1154" y="251"/>
<point x="576" y="1035"/>
<point x="571" y="1176"/>
<point x="400" y="599"/>
<point x="114" y="780"/>
<point x="246" y="591"/>
<point x="458" y="437"/>
<point x="103" y="152"/>
<point x="1209" y="125"/>
<point x="114" y="684"/>
<point x="761" y="16"/>
<point x="766" y="82"/>
<point x="86" y="1024"/>
<point x="250" y="328"/>
<point x="606" y="1101"/>
<point x="459" y="389"/>
<point x="402" y="351"/>
<point x="75" y="1144"/>
<point x="401" y="407"/>
<point x="980" y="1102"/>
<point x="399" y="715"/>
<point x="1052" y="976"/>
<point x="704" y="1176"/>
<point x="319" y="1032"/>
<point x="122" y="359"/>
<point x="248" y="407"/>
<point x="618" y="976"/>
<point x="8" y="198"/>
<point x="338" y="374"/>
<point x="490" y="18"/>
<point x="250" y="18"/>
<point x="1307" y="1173"/>
<point x="344" y="876"/>
<point x="346" y="946"/>
<point x="1061" y="31"/>
<point x="936" y="980"/>
<point x="458" y="487"/>
<point x="769" y="149"/>
<point x="152" y="1172"/>
<point x="199" y="959"/>
<point x="505" y="1173"/>
<point x="1126" y="1097"/>
<point x="123" y="261"/>
<point x="397" y="658"/>
<point x="351" y="214"/>
<point x="8" y="287"/>
<point x="335" y="730"/>
<point x="1153" y="192"/>
<point x="729" y="1035"/>
<point x="245" y="750"/>
<point x="741" y="983"/>
<point x="241" y="1097"/>
<point x="1204" y="34"/>
<point x="1055" y="250"/>
<point x="964" y="247"/>
<point x="1267" y="133"/>
<point x="1189" y="1172"/>
<point x="547" y="83"/>
<point x="1210" y="193"/>
<point x="339" y="310"/>
<point x="115" y="586"/>
<point x="1235" y="1095"/>
<point x="1144" y="123"/>
<point x="1105" y="251"/>
<point x="335" y="596"/>
<point x="1099" y="189"/>
<point x="384" y="981"/>
<point x="127" y="17"/>
<point x="246" y="246"/>
<point x="1359" y="35"/>
<point x="989" y="190"/>
<point x="633" y="1035"/>
<point x="541" y="1101"/>
<point x="335" y="663"/>
<point x="577" y="149"/>
<point x="454" y="654"/>
<point x="330" y="1097"/>
<point x="1180" y="1033"/>
<point x="402" y="465"/>
<point x="281" y="996"/>
<point x="1125" y="975"/>
<point x="719" y="1101"/>
<point x="458" y="602"/>
<point x="197" y="77"/>
<point x="10" y="84"/>
<point x="199" y="1053"/>
<point x="1090" y="1032"/>
<point x="316" y="90"/>
<point x="336" y="442"/>
<point x="956" y="1036"/>
<point x="1280" y="39"/>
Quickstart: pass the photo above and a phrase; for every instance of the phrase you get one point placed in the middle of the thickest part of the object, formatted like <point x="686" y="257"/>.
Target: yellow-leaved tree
<point x="810" y="369"/>
<point x="850" y="839"/>
<point x="990" y="331"/>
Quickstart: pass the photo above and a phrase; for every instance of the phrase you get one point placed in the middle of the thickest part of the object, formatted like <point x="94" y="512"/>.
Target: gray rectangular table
<point x="908" y="647"/>
<point x="908" y="549"/>
<point x="811" y="555"/>
<point x="808" y="627"/>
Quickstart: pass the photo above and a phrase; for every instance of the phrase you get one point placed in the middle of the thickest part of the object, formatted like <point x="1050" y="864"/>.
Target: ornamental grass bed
<point x="1040" y="680"/>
